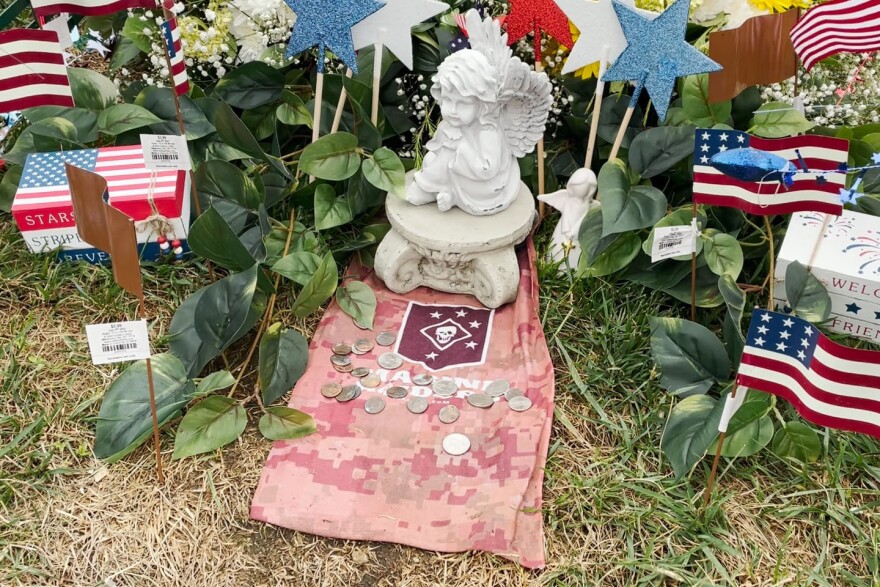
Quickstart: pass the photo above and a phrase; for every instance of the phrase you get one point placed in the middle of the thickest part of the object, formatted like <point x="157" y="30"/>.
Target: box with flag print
<point x="846" y="259"/>
<point x="158" y="201"/>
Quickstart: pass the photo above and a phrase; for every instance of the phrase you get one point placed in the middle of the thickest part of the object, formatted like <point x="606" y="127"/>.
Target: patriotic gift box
<point x="158" y="201"/>
<point x="846" y="259"/>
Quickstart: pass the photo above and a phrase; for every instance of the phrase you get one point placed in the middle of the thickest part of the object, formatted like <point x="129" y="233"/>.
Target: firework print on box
<point x="846" y="261"/>
<point x="385" y="477"/>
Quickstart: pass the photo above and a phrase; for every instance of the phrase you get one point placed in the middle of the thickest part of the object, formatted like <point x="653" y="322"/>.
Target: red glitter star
<point x="535" y="16"/>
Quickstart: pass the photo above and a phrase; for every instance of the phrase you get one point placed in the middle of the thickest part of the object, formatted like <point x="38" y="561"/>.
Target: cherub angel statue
<point x="494" y="110"/>
<point x="574" y="202"/>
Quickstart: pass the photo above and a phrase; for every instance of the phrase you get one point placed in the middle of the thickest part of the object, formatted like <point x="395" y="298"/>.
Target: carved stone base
<point x="454" y="251"/>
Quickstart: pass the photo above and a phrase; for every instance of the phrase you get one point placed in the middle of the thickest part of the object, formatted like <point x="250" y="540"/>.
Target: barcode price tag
<point x="165" y="152"/>
<point x="60" y="25"/>
<point x="118" y="341"/>
<point x="673" y="241"/>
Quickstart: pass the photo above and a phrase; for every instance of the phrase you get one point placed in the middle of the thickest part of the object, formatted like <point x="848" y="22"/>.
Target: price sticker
<point x="116" y="342"/>
<point x="673" y="241"/>
<point x="165" y="152"/>
<point x="60" y="25"/>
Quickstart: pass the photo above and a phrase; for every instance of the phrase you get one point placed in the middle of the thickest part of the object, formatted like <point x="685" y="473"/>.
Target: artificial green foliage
<point x="284" y="354"/>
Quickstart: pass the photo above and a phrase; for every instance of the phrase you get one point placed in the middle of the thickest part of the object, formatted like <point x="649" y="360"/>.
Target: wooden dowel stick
<point x="340" y="106"/>
<point x="377" y="79"/>
<point x="597" y="107"/>
<point x="694" y="266"/>
<point x="159" y="472"/>
<point x="319" y="102"/>
<point x="542" y="208"/>
<point x="710" y="484"/>
<point x="621" y="133"/>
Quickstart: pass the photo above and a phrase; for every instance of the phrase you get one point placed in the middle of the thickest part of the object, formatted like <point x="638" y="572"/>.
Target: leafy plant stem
<point x="772" y="262"/>
<point x="270" y="309"/>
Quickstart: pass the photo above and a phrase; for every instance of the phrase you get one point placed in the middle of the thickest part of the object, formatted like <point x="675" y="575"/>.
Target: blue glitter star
<point x="854" y="308"/>
<point x="876" y="158"/>
<point x="328" y="25"/>
<point x="656" y="54"/>
<point x="849" y="196"/>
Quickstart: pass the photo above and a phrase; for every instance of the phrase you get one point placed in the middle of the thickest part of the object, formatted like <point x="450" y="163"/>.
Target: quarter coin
<point x="480" y="400"/>
<point x="374" y="405"/>
<point x="371" y="381"/>
<point x="456" y="444"/>
<point x="423" y="379"/>
<point x="386" y="338"/>
<point x="449" y="414"/>
<point x="348" y="393"/>
<point x="341" y="348"/>
<point x="360" y="372"/>
<point x="497" y="388"/>
<point x="513" y="392"/>
<point x="390" y="360"/>
<point x="364" y="345"/>
<point x="520" y="403"/>
<point x="345" y="369"/>
<point x="340" y="360"/>
<point x="417" y="405"/>
<point x="445" y="387"/>
<point x="331" y="389"/>
<point x="396" y="392"/>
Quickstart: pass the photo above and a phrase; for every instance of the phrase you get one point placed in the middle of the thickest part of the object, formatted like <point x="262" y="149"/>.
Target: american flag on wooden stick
<point x="851" y="26"/>
<point x="829" y="384"/>
<point x="87" y="7"/>
<point x="171" y="35"/>
<point x="809" y="190"/>
<point x="32" y="70"/>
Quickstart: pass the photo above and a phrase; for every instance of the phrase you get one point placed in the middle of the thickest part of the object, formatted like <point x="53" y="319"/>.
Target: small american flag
<point x="171" y="34"/>
<point x="829" y="384"/>
<point x="810" y="191"/>
<point x="44" y="181"/>
<point x="838" y="26"/>
<point x="32" y="70"/>
<point x="87" y="7"/>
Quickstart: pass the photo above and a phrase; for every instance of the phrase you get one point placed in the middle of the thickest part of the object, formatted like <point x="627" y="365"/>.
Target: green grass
<point x="613" y="513"/>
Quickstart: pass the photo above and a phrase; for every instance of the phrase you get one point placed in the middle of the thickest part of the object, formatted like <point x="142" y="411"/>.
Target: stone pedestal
<point x="454" y="251"/>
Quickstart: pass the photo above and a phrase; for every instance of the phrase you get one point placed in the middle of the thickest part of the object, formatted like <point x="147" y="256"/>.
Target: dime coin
<point x="360" y="372"/>
<point x="423" y="379"/>
<point x="357" y="393"/>
<point x="374" y="405"/>
<point x="456" y="444"/>
<point x="513" y="392"/>
<point x="449" y="414"/>
<point x="386" y="338"/>
<point x="390" y="360"/>
<point x="340" y="360"/>
<point x="345" y="369"/>
<point x="417" y="405"/>
<point x="480" y="400"/>
<point x="497" y="388"/>
<point x="396" y="392"/>
<point x="372" y="381"/>
<point x="355" y="351"/>
<point x="348" y="393"/>
<point x="331" y="389"/>
<point x="520" y="403"/>
<point x="363" y="345"/>
<point x="445" y="387"/>
<point x="341" y="348"/>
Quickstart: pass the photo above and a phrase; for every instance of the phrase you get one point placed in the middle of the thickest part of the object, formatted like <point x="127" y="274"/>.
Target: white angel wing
<point x="526" y="99"/>
<point x="486" y="37"/>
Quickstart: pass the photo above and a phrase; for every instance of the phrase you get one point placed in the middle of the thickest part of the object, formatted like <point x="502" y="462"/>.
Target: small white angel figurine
<point x="494" y="110"/>
<point x="574" y="202"/>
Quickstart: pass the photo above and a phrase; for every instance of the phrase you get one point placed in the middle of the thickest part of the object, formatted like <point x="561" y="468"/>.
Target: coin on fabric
<point x="520" y="403"/>
<point x="449" y="414"/>
<point x="445" y="387"/>
<point x="340" y="360"/>
<point x="341" y="348"/>
<point x="423" y="379"/>
<point x="513" y="392"/>
<point x="386" y="338"/>
<point x="456" y="444"/>
<point x="360" y="372"/>
<point x="371" y="381"/>
<point x="345" y="369"/>
<point x="417" y="405"/>
<point x="348" y="393"/>
<point x="331" y="389"/>
<point x="363" y="345"/>
<point x="497" y="388"/>
<point x="374" y="405"/>
<point x="480" y="400"/>
<point x="396" y="392"/>
<point x="390" y="361"/>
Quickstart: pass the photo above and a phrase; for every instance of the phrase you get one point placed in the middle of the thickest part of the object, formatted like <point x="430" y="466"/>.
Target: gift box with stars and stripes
<point x="843" y="252"/>
<point x="157" y="201"/>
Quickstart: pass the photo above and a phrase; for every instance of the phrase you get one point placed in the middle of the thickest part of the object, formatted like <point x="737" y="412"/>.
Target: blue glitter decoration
<point x="750" y="164"/>
<point x="656" y="54"/>
<point x="327" y="24"/>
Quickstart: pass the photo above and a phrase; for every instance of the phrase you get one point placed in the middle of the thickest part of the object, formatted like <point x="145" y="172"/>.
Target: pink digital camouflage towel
<point x="385" y="477"/>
